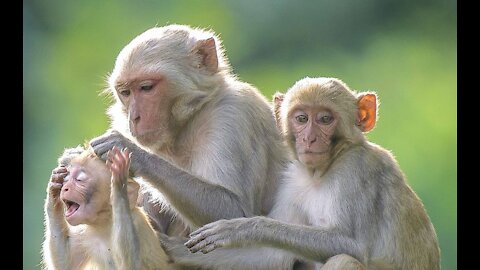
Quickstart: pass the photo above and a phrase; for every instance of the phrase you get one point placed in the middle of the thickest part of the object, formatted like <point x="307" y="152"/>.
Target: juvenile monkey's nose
<point x="310" y="140"/>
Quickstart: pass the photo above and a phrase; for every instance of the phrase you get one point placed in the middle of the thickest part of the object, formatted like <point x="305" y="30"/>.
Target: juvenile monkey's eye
<point x="326" y="119"/>
<point x="301" y="118"/>
<point x="125" y="93"/>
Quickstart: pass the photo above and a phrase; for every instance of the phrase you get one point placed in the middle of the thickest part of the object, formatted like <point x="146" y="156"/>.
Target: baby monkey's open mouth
<point x="71" y="207"/>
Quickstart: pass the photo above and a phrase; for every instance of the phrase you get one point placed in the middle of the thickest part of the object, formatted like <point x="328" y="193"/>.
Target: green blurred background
<point x="406" y="51"/>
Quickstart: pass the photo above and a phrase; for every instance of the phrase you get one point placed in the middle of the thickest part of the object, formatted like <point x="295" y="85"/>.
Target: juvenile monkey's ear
<point x="206" y="51"/>
<point x="277" y="104"/>
<point x="132" y="192"/>
<point x="367" y="111"/>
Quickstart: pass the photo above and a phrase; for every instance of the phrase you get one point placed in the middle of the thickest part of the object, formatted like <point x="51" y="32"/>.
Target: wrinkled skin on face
<point x="147" y="101"/>
<point x="313" y="129"/>
<point x="86" y="192"/>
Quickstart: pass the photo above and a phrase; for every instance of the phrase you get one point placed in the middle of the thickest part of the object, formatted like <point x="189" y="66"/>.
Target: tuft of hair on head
<point x="88" y="150"/>
<point x="69" y="154"/>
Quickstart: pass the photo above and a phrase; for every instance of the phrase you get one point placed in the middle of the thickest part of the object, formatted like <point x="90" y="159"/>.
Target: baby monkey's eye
<point x="82" y="176"/>
<point x="67" y="178"/>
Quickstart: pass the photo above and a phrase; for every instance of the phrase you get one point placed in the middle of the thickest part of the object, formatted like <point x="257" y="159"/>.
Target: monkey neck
<point x="315" y="172"/>
<point x="191" y="136"/>
<point x="341" y="145"/>
<point x="166" y="150"/>
<point x="102" y="229"/>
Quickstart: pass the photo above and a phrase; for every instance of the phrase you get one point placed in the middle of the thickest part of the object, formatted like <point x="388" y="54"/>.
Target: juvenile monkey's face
<point x="313" y="129"/>
<point x="147" y="103"/>
<point x="86" y="191"/>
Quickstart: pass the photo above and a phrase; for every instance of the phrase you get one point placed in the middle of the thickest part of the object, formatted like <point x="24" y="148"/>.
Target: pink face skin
<point x="313" y="128"/>
<point x="86" y="192"/>
<point x="146" y="100"/>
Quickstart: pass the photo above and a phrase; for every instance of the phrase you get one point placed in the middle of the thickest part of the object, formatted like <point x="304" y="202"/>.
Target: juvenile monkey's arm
<point x="126" y="246"/>
<point x="309" y="242"/>
<point x="56" y="248"/>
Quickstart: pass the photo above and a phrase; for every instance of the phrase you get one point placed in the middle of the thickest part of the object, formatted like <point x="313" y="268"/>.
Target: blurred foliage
<point x="406" y="51"/>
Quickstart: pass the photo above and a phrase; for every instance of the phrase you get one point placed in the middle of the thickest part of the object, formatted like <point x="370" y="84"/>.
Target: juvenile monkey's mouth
<point x="71" y="208"/>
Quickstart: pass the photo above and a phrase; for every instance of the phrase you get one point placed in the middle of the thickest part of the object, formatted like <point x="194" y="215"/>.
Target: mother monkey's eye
<point x="124" y="92"/>
<point x="146" y="86"/>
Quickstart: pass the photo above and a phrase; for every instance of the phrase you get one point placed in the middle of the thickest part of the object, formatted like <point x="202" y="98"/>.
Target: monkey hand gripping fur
<point x="341" y="194"/>
<point x="103" y="144"/>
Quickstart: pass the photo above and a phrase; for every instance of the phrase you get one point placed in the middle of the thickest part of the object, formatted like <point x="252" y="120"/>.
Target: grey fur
<point x="361" y="206"/>
<point x="225" y="160"/>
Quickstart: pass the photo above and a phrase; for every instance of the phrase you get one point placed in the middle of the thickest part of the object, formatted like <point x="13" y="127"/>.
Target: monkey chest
<point x="100" y="255"/>
<point x="318" y="208"/>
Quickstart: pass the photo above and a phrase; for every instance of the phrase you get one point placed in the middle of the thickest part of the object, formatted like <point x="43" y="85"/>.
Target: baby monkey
<point x="91" y="217"/>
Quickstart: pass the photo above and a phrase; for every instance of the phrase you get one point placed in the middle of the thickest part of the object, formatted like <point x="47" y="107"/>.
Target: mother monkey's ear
<point x="205" y="52"/>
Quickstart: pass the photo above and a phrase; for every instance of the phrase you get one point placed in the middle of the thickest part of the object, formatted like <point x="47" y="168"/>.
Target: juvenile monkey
<point x="91" y="217"/>
<point x="342" y="197"/>
<point x="204" y="142"/>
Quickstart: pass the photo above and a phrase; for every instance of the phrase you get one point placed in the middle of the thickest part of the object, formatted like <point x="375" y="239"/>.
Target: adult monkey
<point x="342" y="195"/>
<point x="205" y="140"/>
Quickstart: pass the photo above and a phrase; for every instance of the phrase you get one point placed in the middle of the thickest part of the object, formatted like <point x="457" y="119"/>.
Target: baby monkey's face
<point x="86" y="191"/>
